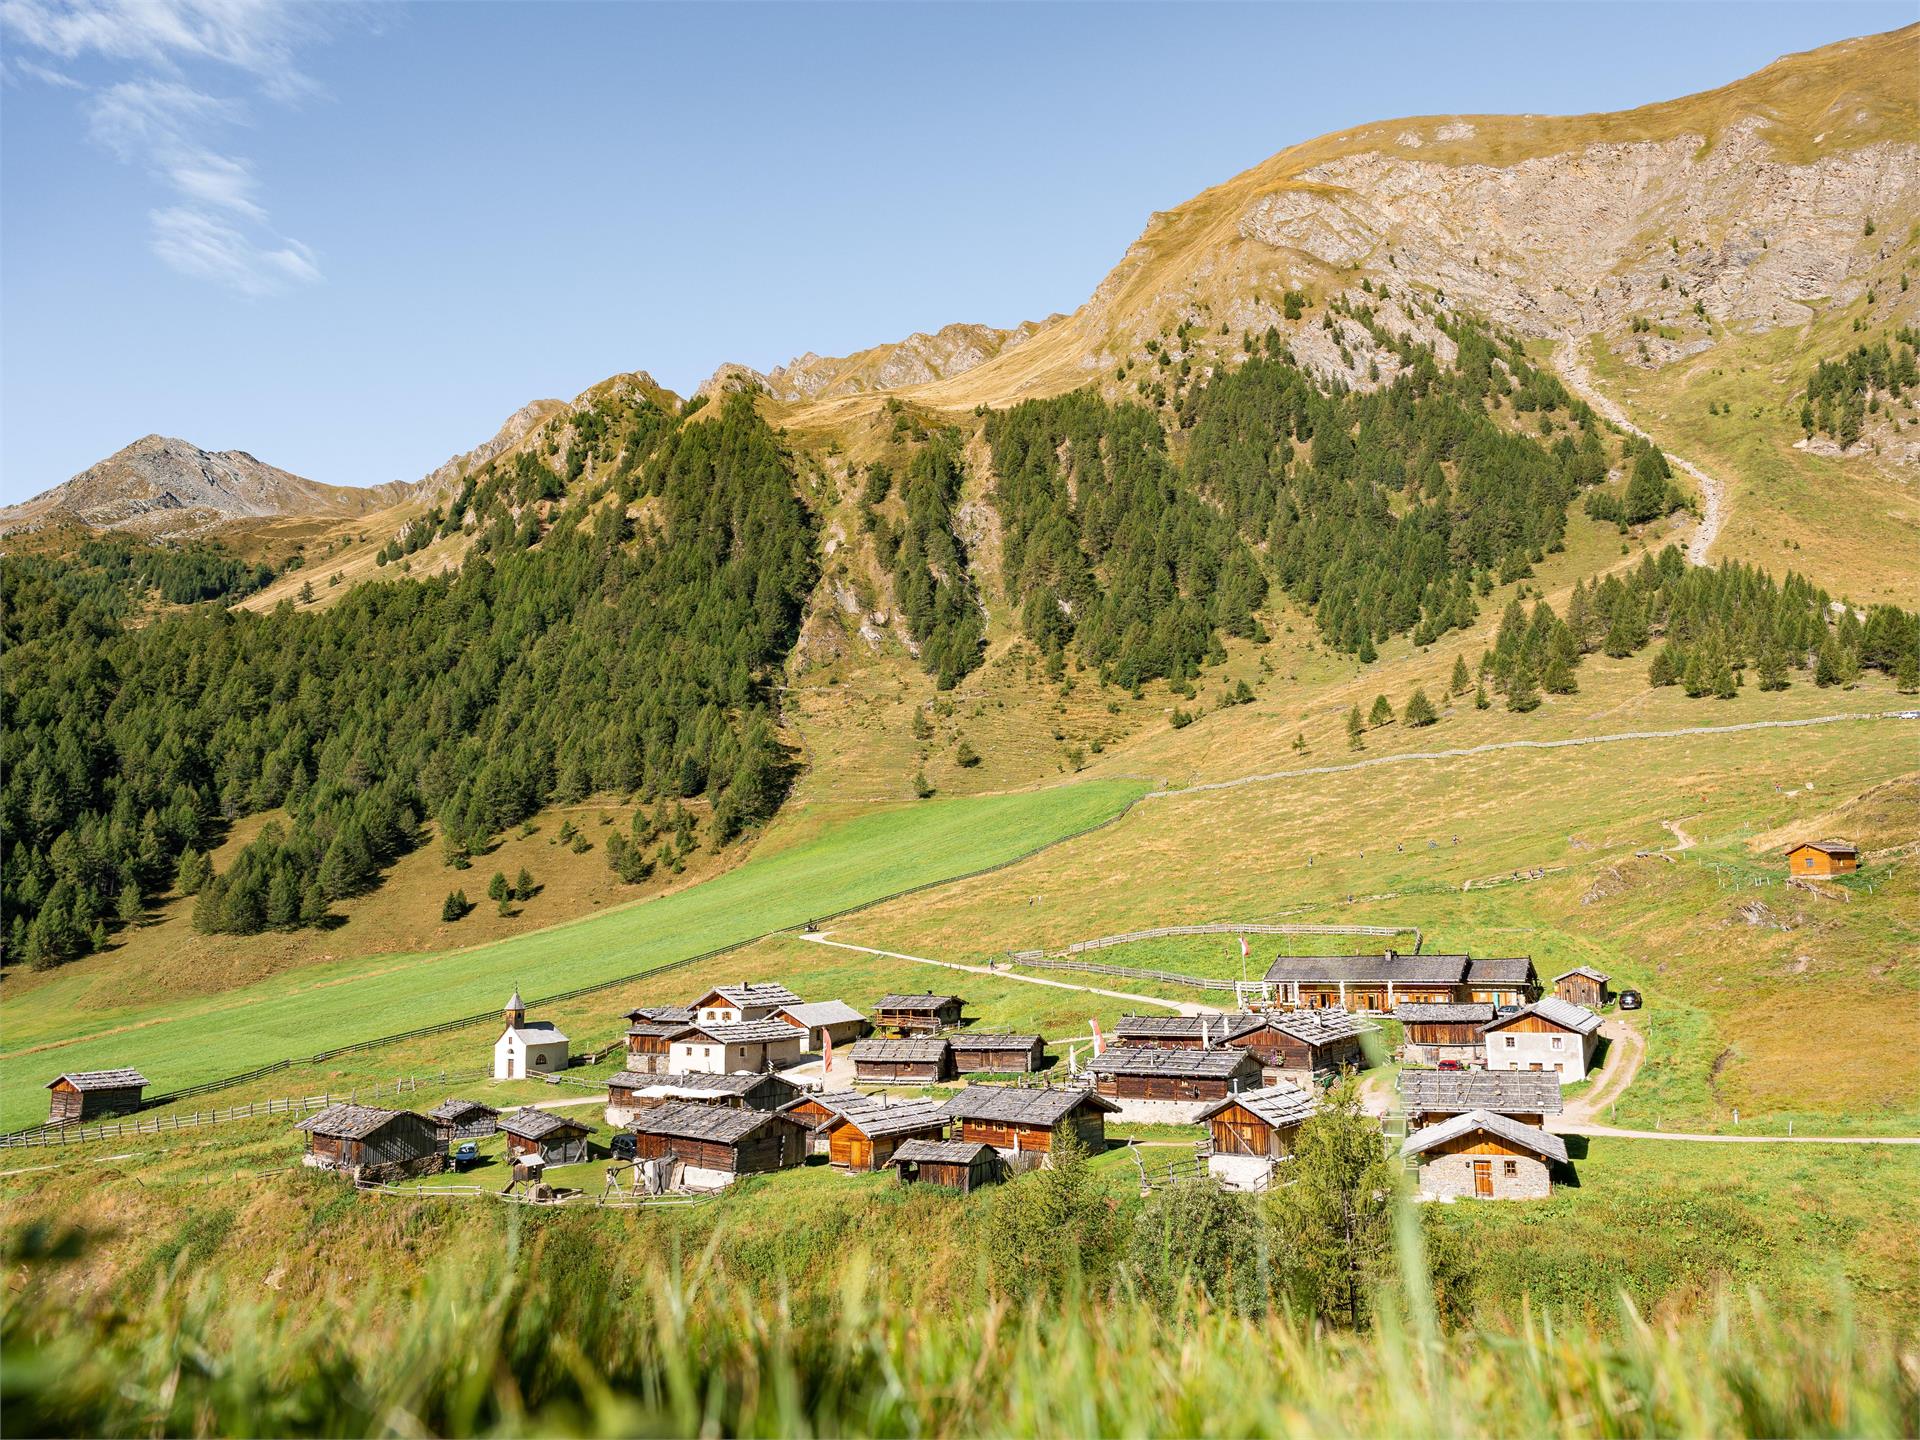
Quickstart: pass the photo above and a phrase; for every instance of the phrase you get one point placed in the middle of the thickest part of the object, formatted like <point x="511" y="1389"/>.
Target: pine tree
<point x="921" y="787"/>
<point x="193" y="872"/>
<point x="456" y="906"/>
<point x="1356" y="729"/>
<point x="1557" y="678"/>
<point x="313" y="904"/>
<point x="1461" y="682"/>
<point x="128" y="910"/>
<point x="1772" y="669"/>
<point x="497" y="886"/>
<point x="965" y="756"/>
<point x="1722" y="681"/>
<point x="1382" y="712"/>
<point x="1665" y="668"/>
<point x="1523" y="692"/>
<point x="1906" y="673"/>
<point x="1339" y="1208"/>
<point x="523" y="884"/>
<point x="1480" y="698"/>
<point x="1420" y="711"/>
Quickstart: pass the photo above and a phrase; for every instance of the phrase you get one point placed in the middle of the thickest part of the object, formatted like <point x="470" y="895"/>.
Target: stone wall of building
<point x="1450" y="1177"/>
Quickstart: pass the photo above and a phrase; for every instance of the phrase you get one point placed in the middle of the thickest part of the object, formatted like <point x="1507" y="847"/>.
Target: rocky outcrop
<point x="917" y="360"/>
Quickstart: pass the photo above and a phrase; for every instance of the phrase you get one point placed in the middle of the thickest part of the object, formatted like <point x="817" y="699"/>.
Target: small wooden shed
<point x="1182" y="1032"/>
<point x="463" y="1120"/>
<point x="1528" y="1096"/>
<point x="957" y="1164"/>
<point x="371" y="1145"/>
<point x="716" y="1144"/>
<point x="1252" y="1132"/>
<point x="1443" y="1032"/>
<point x="1822" y="857"/>
<point x="87" y="1094"/>
<point x="650" y="1044"/>
<point x="1171" y="1086"/>
<point x="1583" y="985"/>
<point x="1308" y="1041"/>
<point x="816" y="1108"/>
<point x="925" y="1014"/>
<point x="546" y="1133"/>
<point x="974" y="1052"/>
<point x="924" y="1060"/>
<point x="862" y="1138"/>
<point x="628" y="1093"/>
<point x="1020" y="1120"/>
<point x="1486" y="1156"/>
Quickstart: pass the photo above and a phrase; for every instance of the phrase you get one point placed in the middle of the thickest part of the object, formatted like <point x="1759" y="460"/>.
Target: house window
<point x="1509" y="1042"/>
<point x="540" y="1061"/>
<point x="1510" y="1168"/>
<point x="1556" y="1042"/>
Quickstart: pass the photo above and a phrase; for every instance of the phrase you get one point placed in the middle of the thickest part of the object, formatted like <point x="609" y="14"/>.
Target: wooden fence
<point x="1032" y="960"/>
<point x="133" y="1125"/>
<point x="1227" y="927"/>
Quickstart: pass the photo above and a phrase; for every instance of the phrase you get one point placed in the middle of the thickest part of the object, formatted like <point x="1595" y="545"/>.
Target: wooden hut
<point x="1500" y="980"/>
<point x="926" y="1014"/>
<point x="1252" y="1132"/>
<point x="862" y="1138"/>
<point x="650" y="1045"/>
<point x="88" y="1094"/>
<point x="546" y="1133"/>
<point x="373" y="1146"/>
<point x="1443" y="1032"/>
<point x="1822" y="857"/>
<point x="1172" y="1086"/>
<point x="1307" y="1042"/>
<point x="1182" y="1032"/>
<point x="1528" y="1096"/>
<point x="737" y="1004"/>
<point x="974" y="1052"/>
<point x="923" y="1061"/>
<point x="1548" y="1035"/>
<point x="1021" y="1120"/>
<point x="1365" y="982"/>
<point x="714" y="1144"/>
<point x="463" y="1120"/>
<point x="1486" y="1156"/>
<point x="628" y="1094"/>
<point x="815" y="1108"/>
<point x="1583" y="985"/>
<point x="957" y="1164"/>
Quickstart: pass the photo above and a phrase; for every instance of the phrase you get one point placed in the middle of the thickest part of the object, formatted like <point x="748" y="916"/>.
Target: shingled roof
<point x="940" y="1152"/>
<point x="1320" y="1027"/>
<point x="660" y="1029"/>
<point x="100" y="1079"/>
<point x="1554" y="1010"/>
<point x="1500" y="970"/>
<point x="457" y="1110"/>
<point x="350" y="1122"/>
<point x="531" y="1124"/>
<point x="928" y="1002"/>
<point x="748" y="1032"/>
<point x="1280" y="1106"/>
<point x="693" y="1121"/>
<point x="1586" y="970"/>
<point x="1455" y="1127"/>
<point x="764" y="994"/>
<point x="1825" y="847"/>
<point x="1185" y="1064"/>
<point x="1523" y="1092"/>
<point x="660" y="1014"/>
<point x="918" y="1051"/>
<point x="697" y="1085"/>
<point x="1185" y="1027"/>
<point x="1024" y="1104"/>
<point x="1368" y="969"/>
<point x="1477" y="1012"/>
<point x="878" y="1118"/>
<point x="984" y="1040"/>
<point x="821" y="1012"/>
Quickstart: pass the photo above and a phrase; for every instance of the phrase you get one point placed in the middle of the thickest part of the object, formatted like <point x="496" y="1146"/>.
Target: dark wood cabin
<point x="1444" y="1032"/>
<point x="1020" y="1120"/>
<point x="1135" y="1073"/>
<point x="1381" y="982"/>
<point x="720" y="1141"/>
<point x="1528" y="1096"/>
<point x="1585" y="986"/>
<point x="546" y="1133"/>
<point x="1261" y="1122"/>
<point x="1501" y="980"/>
<point x="816" y="1108"/>
<point x="1307" y="1041"/>
<point x="463" y="1120"/>
<point x="926" y="1014"/>
<point x="974" y="1052"/>
<point x="1822" y="857"/>
<point x="862" y="1138"/>
<point x="373" y="1146"/>
<point x="88" y="1094"/>
<point x="957" y="1164"/>
<point x="650" y="1044"/>
<point x="629" y="1093"/>
<point x="923" y="1061"/>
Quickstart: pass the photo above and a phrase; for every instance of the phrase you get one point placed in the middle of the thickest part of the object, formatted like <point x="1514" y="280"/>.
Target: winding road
<point x="1570" y="360"/>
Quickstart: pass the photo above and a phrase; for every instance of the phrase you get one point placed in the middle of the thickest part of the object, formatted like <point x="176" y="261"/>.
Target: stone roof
<point x="1184" y="1027"/>
<point x="940" y="1152"/>
<point x="660" y="1014"/>
<point x="879" y="1117"/>
<point x="456" y="1109"/>
<point x="1500" y="970"/>
<point x="928" y="1002"/>
<point x="1586" y="970"/>
<point x="659" y="1029"/>
<point x="515" y="1002"/>
<point x="99" y="1079"/>
<point x="531" y="1124"/>
<point x="1524" y="1092"/>
<point x="1281" y="1106"/>
<point x="758" y="995"/>
<point x="1477" y="1012"/>
<point x="1320" y="1027"/>
<point x="1455" y="1127"/>
<point x="1368" y="969"/>
<point x="697" y="1085"/>
<point x="1554" y="1010"/>
<point x="748" y="1032"/>
<point x="1185" y="1064"/>
<point x="822" y="1012"/>
<point x="694" y="1121"/>
<point x="899" y="1052"/>
<point x="1024" y="1104"/>
<point x="350" y="1122"/>
<point x="988" y="1040"/>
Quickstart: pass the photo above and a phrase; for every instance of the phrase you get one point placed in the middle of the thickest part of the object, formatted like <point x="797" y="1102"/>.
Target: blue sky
<point x="353" y="239"/>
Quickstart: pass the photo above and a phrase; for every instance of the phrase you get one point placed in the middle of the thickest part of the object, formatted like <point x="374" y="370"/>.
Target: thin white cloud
<point x="217" y="229"/>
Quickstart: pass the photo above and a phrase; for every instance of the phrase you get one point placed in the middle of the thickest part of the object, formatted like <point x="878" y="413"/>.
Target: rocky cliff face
<point x="917" y="360"/>
<point x="165" y="487"/>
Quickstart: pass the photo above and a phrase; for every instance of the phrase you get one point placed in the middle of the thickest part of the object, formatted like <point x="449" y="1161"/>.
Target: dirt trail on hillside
<point x="1630" y="1050"/>
<point x="1570" y="360"/>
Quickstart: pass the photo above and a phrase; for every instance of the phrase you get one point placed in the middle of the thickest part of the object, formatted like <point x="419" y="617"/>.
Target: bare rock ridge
<point x="918" y="360"/>
<point x="166" y="487"/>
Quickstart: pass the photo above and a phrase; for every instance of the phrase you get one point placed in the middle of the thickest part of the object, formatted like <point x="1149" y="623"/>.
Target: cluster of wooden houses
<point x="1549" y="1034"/>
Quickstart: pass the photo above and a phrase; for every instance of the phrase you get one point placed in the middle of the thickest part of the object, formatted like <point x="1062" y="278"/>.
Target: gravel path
<point x="1570" y="360"/>
<point x="1629" y="1050"/>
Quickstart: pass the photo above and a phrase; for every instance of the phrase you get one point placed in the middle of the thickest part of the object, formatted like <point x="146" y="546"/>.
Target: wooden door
<point x="1483" y="1177"/>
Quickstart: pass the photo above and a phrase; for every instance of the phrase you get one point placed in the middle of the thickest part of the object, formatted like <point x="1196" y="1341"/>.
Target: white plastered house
<point x="527" y="1049"/>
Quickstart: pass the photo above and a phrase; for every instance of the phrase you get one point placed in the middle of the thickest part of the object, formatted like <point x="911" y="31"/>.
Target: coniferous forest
<point x="574" y="651"/>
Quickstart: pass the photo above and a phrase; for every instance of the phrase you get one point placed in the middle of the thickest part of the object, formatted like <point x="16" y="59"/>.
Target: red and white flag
<point x="826" y="1053"/>
<point x="1243" y="947"/>
<point x="1099" y="1044"/>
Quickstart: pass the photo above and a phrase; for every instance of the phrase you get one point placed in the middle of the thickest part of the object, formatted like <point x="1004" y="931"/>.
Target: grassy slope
<point x="816" y="868"/>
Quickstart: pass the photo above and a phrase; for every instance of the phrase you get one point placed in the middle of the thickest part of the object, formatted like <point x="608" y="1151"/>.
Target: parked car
<point x="1506" y="1009"/>
<point x="466" y="1156"/>
<point x="1630" y="1000"/>
<point x="624" y="1146"/>
<point x="1451" y="1065"/>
